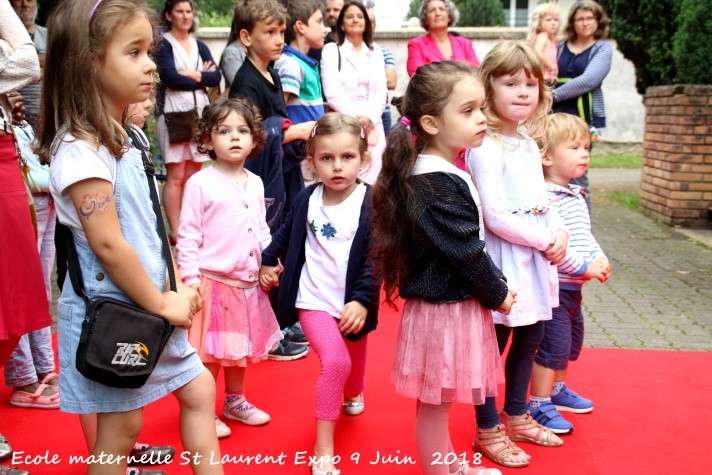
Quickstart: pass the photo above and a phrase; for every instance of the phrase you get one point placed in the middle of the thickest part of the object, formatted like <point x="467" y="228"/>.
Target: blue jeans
<point x="33" y="354"/>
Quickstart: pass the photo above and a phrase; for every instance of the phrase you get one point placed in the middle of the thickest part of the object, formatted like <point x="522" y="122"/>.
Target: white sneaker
<point x="222" y="429"/>
<point x="243" y="411"/>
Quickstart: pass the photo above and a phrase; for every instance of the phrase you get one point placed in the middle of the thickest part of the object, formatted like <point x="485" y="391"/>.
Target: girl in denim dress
<point x="99" y="184"/>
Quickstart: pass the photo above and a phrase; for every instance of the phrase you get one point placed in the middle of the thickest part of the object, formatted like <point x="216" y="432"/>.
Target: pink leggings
<point x="343" y="362"/>
<point x="433" y="438"/>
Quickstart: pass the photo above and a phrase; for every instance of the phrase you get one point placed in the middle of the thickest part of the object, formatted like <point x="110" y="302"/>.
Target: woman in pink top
<point x="436" y="16"/>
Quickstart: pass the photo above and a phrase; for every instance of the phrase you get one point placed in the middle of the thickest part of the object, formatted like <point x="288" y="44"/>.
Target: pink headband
<point x="91" y="13"/>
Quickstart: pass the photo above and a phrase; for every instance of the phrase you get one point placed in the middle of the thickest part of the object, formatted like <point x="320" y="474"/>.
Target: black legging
<point x="518" y="366"/>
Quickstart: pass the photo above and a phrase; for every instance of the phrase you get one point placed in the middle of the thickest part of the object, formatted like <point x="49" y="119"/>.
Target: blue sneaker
<point x="294" y="334"/>
<point x="567" y="400"/>
<point x="548" y="416"/>
<point x="287" y="351"/>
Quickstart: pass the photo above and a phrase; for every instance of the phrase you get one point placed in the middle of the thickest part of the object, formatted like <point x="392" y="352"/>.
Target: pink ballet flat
<point x="35" y="400"/>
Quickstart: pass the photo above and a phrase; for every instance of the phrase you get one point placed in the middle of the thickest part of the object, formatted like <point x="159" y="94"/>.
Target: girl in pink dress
<point x="431" y="252"/>
<point x="221" y="234"/>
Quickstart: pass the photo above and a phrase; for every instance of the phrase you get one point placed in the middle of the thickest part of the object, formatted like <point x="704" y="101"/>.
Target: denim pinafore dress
<point x="179" y="364"/>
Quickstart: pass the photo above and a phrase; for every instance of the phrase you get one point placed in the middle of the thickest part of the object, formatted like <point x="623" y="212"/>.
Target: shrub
<point x="691" y="49"/>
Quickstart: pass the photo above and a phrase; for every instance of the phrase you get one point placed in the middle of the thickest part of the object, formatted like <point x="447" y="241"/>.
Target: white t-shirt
<point x="76" y="160"/>
<point x="330" y="233"/>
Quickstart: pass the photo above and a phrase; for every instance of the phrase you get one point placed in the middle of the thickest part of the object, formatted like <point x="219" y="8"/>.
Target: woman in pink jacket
<point x="436" y="16"/>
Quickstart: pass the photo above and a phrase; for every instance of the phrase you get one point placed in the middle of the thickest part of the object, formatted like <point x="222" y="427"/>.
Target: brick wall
<point x="676" y="181"/>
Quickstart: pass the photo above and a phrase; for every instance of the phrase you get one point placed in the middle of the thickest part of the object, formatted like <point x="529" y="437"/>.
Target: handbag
<point x="182" y="125"/>
<point x="120" y="343"/>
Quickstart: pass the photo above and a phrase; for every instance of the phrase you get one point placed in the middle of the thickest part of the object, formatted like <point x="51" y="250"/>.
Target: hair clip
<point x="363" y="133"/>
<point x="405" y="122"/>
<point x="313" y="132"/>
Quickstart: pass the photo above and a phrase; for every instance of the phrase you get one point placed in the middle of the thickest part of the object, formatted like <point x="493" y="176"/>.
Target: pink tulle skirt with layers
<point x="447" y="353"/>
<point x="234" y="325"/>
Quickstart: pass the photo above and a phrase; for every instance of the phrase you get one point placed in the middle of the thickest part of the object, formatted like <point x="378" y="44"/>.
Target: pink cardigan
<point x="424" y="50"/>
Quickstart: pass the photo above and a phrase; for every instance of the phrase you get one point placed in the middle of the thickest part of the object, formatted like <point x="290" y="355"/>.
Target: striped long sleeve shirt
<point x="583" y="247"/>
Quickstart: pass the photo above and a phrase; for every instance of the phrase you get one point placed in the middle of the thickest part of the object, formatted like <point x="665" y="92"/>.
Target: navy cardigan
<point x="170" y="76"/>
<point x="361" y="285"/>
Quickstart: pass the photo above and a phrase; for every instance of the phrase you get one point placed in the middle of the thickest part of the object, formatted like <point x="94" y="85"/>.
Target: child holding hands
<point x="328" y="281"/>
<point x="221" y="234"/>
<point x="524" y="233"/>
<point x="565" y="155"/>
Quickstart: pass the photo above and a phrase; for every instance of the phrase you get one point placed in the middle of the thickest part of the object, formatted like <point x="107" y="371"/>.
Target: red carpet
<point x="652" y="417"/>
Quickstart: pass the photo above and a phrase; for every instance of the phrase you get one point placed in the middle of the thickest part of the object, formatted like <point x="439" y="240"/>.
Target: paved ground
<point x="659" y="294"/>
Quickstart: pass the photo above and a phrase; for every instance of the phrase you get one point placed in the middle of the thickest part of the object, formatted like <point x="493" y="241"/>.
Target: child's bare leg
<point x="88" y="423"/>
<point x="324" y="445"/>
<point x="116" y="433"/>
<point x="234" y="379"/>
<point x="197" y="424"/>
<point x="560" y="375"/>
<point x="542" y="381"/>
<point x="214" y="369"/>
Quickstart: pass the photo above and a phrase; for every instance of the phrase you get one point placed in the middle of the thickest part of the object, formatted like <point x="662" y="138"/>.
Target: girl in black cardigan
<point x="431" y="253"/>
<point x="328" y="283"/>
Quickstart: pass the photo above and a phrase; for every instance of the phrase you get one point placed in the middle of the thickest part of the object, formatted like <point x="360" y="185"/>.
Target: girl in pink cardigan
<point x="221" y="234"/>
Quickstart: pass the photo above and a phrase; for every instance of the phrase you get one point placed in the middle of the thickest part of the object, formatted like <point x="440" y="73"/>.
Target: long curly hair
<point x="428" y="93"/>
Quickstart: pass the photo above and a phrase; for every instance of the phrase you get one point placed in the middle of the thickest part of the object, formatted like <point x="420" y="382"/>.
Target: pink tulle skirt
<point x="234" y="324"/>
<point x="447" y="353"/>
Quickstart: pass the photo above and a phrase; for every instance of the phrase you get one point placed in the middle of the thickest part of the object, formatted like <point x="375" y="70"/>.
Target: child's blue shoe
<point x="567" y="400"/>
<point x="548" y="416"/>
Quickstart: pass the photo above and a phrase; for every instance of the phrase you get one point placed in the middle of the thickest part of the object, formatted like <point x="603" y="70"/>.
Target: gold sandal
<point x="517" y="428"/>
<point x="486" y="438"/>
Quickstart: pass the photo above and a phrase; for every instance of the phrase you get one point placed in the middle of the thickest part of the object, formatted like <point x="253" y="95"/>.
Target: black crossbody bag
<point x="121" y="343"/>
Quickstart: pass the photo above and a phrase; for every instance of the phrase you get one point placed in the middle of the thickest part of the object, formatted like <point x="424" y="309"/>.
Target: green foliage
<point x="644" y="31"/>
<point x="691" y="49"/>
<point x="480" y="13"/>
<point x="616" y="161"/>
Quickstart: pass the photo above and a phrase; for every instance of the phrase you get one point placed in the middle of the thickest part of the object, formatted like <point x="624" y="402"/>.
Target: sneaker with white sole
<point x="222" y="429"/>
<point x="288" y="351"/>
<point x="295" y="334"/>
<point x="242" y="411"/>
<point x="567" y="400"/>
<point x="548" y="416"/>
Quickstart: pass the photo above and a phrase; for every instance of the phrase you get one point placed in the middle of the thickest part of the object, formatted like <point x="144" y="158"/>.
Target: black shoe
<point x="294" y="334"/>
<point x="12" y="471"/>
<point x="142" y="471"/>
<point x="5" y="448"/>
<point x="151" y="455"/>
<point x="287" y="351"/>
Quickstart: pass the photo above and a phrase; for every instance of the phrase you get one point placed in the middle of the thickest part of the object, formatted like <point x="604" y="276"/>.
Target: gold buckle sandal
<point x="486" y="438"/>
<point x="516" y="428"/>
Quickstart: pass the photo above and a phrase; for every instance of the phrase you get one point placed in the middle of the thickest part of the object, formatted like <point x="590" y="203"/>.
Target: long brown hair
<point x="428" y="93"/>
<point x="71" y="93"/>
<point x="368" y="30"/>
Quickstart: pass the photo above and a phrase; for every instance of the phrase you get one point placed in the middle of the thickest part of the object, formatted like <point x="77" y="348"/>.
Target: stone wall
<point x="676" y="180"/>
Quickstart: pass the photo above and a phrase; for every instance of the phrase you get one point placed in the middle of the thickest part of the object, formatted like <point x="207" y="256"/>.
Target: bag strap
<point x="584" y="103"/>
<point x="74" y="269"/>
